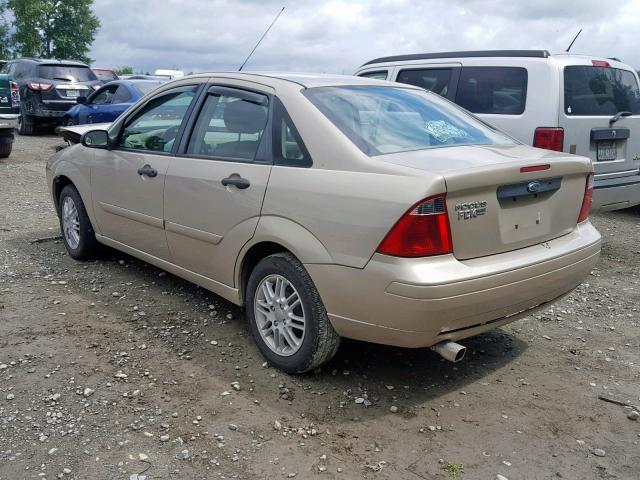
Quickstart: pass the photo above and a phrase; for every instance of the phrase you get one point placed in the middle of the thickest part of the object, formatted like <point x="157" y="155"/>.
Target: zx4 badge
<point x="467" y="211"/>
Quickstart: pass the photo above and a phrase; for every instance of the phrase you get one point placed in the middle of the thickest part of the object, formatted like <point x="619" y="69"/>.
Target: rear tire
<point x="293" y="336"/>
<point x="77" y="232"/>
<point x="5" y="149"/>
<point x="26" y="124"/>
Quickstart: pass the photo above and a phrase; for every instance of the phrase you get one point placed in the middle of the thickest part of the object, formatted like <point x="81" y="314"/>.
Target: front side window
<point x="498" y="90"/>
<point x="379" y="75"/>
<point x="383" y="120"/>
<point x="155" y="128"/>
<point x="104" y="96"/>
<point x="230" y="125"/>
<point x="591" y="90"/>
<point x="433" y="79"/>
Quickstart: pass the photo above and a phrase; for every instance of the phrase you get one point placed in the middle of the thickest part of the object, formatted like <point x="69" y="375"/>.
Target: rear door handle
<point x="148" y="170"/>
<point x="239" y="182"/>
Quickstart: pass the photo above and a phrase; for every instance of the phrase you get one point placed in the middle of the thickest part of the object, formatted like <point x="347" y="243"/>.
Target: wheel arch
<point x="59" y="182"/>
<point x="276" y="235"/>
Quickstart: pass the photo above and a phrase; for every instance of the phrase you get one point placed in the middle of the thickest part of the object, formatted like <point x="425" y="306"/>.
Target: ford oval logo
<point x="533" y="187"/>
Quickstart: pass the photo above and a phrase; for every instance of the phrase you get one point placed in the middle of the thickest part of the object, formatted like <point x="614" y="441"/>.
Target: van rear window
<point x="600" y="91"/>
<point x="498" y="90"/>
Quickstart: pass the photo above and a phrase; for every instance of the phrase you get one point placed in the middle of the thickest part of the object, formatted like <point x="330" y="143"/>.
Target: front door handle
<point x="239" y="182"/>
<point x="148" y="170"/>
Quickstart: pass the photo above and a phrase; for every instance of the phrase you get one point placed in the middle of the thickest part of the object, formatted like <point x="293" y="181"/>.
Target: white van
<point x="169" y="74"/>
<point x="573" y="103"/>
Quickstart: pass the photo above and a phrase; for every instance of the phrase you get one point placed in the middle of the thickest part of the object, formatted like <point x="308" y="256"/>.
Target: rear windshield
<point x="380" y="119"/>
<point x="600" y="91"/>
<point x="105" y="75"/>
<point x="68" y="73"/>
<point x="144" y="88"/>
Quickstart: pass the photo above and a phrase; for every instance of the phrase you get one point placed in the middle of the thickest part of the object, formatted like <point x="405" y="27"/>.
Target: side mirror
<point x="81" y="100"/>
<point x="95" y="139"/>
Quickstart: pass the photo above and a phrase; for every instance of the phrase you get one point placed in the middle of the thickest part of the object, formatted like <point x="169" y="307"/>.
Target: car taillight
<point x="549" y="138"/>
<point x="39" y="87"/>
<point x="421" y="232"/>
<point x="586" y="200"/>
<point x="15" y="93"/>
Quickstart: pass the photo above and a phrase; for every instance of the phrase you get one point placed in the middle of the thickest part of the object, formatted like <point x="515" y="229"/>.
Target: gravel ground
<point x="115" y="370"/>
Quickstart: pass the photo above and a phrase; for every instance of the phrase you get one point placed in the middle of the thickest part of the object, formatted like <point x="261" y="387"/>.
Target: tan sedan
<point x="331" y="207"/>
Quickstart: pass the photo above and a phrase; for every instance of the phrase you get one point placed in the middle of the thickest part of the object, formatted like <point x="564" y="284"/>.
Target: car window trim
<point x="264" y="154"/>
<point x="198" y="91"/>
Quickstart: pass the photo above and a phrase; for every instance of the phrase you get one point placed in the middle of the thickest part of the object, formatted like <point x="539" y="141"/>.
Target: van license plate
<point x="607" y="151"/>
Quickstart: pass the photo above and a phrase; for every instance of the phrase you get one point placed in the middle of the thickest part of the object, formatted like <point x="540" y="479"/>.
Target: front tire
<point x="77" y="232"/>
<point x="67" y="122"/>
<point x="287" y="317"/>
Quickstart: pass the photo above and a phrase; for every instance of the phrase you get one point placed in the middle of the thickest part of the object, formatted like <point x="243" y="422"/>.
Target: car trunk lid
<point x="502" y="198"/>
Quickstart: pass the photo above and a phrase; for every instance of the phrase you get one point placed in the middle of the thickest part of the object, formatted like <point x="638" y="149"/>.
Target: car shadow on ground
<point x="360" y="372"/>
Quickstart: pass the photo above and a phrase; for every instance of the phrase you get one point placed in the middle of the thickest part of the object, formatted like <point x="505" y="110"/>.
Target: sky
<point x="339" y="36"/>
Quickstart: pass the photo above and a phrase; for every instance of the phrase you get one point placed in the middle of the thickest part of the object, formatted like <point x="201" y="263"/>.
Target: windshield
<point x="381" y="119"/>
<point x="600" y="91"/>
<point x="69" y="73"/>
<point x="146" y="87"/>
<point x="105" y="75"/>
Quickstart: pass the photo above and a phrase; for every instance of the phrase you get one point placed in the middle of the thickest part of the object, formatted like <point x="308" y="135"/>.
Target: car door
<point x="96" y="103"/>
<point x="120" y="101"/>
<point x="128" y="181"/>
<point x="214" y="190"/>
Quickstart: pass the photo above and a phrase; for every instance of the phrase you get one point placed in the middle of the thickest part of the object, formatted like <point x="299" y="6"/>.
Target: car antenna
<point x="573" y="41"/>
<point x="261" y="38"/>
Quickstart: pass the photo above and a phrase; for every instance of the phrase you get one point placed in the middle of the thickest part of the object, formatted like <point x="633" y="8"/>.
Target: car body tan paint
<point x="333" y="215"/>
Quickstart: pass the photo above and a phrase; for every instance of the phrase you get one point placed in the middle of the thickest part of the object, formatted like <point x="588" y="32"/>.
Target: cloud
<point x="339" y="35"/>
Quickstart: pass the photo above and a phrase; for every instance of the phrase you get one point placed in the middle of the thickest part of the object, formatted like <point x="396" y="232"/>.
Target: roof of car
<point x="307" y="80"/>
<point x="53" y="61"/>
<point x="462" y="54"/>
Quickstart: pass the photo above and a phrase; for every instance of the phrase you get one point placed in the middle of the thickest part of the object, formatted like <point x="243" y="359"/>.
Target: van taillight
<point x="600" y="63"/>
<point x="39" y="87"/>
<point x="549" y="138"/>
<point x="421" y="232"/>
<point x="586" y="200"/>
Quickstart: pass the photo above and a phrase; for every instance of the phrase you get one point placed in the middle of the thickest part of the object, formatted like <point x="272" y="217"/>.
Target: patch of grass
<point x="452" y="469"/>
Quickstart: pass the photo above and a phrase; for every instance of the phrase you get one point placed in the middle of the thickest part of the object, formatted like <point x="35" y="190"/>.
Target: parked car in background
<point x="106" y="104"/>
<point x="169" y="74"/>
<point x="105" y="75"/>
<point x="9" y="113"/>
<point x="564" y="102"/>
<point x="331" y="206"/>
<point x="48" y="88"/>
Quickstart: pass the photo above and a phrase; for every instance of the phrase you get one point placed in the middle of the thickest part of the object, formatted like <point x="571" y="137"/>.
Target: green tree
<point x="5" y="49"/>
<point x="124" y="70"/>
<point x="53" y="28"/>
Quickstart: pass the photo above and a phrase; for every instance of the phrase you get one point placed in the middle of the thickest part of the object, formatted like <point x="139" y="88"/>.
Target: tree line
<point x="63" y="29"/>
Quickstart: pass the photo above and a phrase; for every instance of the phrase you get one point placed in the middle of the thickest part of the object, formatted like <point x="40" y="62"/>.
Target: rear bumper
<point x="615" y="193"/>
<point x="8" y="121"/>
<point x="419" y="302"/>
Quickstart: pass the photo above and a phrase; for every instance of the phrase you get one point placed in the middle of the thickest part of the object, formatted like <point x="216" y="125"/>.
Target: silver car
<point x="331" y="206"/>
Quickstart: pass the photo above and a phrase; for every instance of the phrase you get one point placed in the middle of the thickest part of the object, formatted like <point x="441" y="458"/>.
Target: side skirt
<point x="226" y="292"/>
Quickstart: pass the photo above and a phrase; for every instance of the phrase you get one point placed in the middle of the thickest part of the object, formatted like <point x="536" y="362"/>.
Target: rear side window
<point x="499" y="90"/>
<point x="288" y="147"/>
<point x="230" y="125"/>
<point x="436" y="79"/>
<point x="602" y="91"/>
<point x="379" y="75"/>
<point x="66" y="73"/>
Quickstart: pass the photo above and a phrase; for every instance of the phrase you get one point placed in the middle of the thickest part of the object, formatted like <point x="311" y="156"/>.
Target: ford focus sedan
<point x="330" y="207"/>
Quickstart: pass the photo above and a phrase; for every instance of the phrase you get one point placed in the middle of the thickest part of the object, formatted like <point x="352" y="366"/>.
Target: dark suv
<point x="48" y="88"/>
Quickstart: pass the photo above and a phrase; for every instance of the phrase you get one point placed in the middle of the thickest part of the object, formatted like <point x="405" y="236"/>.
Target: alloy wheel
<point x="279" y="315"/>
<point x="70" y="222"/>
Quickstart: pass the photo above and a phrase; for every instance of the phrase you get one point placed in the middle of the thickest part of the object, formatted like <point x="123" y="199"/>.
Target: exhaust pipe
<point x="452" y="351"/>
